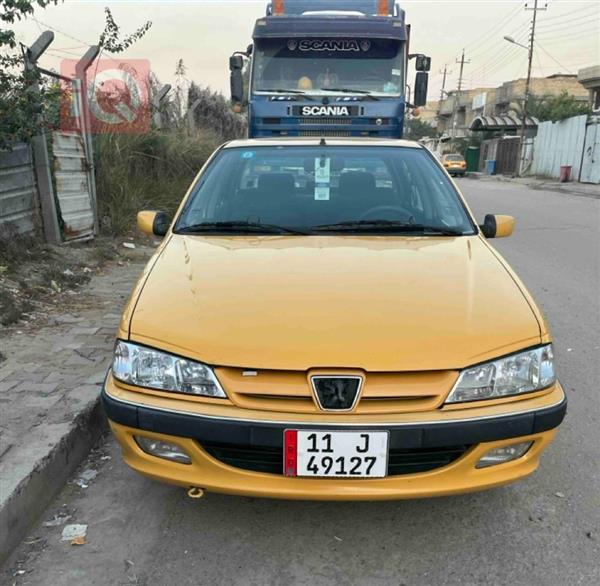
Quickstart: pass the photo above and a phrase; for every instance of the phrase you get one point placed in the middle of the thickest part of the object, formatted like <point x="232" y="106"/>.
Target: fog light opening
<point x="503" y="454"/>
<point x="164" y="450"/>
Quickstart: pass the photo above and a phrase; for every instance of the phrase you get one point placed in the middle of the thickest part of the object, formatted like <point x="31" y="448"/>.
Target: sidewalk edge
<point x="20" y="510"/>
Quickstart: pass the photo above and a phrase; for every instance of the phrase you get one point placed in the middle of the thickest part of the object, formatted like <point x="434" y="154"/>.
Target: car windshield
<point x="325" y="66"/>
<point x="312" y="189"/>
<point x="454" y="158"/>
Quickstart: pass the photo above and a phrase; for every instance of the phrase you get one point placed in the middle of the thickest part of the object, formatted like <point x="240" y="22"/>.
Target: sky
<point x="205" y="32"/>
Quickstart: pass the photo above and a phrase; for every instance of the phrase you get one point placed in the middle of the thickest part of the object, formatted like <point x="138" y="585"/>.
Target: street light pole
<point x="527" y="82"/>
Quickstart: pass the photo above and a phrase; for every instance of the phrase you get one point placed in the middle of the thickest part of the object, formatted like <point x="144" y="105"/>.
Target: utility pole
<point x="457" y="95"/>
<point x="445" y="73"/>
<point x="527" y="84"/>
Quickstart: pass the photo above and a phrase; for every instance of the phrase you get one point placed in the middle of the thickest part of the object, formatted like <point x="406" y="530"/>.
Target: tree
<point x="416" y="129"/>
<point x="556" y="108"/>
<point x="110" y="40"/>
<point x="19" y="104"/>
<point x="180" y="80"/>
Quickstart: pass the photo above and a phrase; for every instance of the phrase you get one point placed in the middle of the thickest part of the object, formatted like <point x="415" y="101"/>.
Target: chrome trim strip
<point x="362" y="424"/>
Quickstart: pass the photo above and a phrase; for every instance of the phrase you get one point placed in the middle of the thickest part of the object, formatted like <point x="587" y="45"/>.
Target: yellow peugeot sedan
<point x="324" y="319"/>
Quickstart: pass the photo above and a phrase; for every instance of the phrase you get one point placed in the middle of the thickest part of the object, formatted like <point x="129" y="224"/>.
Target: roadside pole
<point x="81" y="86"/>
<point x="43" y="173"/>
<point x="157" y="100"/>
<point x="457" y="95"/>
<point x="527" y="85"/>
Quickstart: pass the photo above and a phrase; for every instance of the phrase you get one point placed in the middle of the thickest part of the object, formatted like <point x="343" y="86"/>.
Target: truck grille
<point x="341" y="133"/>
<point x="324" y="121"/>
<point x="270" y="459"/>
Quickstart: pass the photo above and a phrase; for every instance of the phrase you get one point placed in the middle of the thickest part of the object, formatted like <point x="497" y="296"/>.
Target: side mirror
<point x="236" y="83"/>
<point x="236" y="80"/>
<point x="423" y="63"/>
<point x="420" y="92"/>
<point x="249" y="49"/>
<point x="236" y="62"/>
<point x="497" y="226"/>
<point x="153" y="223"/>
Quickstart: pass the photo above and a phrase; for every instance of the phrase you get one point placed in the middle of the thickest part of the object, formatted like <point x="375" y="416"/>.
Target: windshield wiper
<point x="238" y="226"/>
<point x="345" y="90"/>
<point x="387" y="226"/>
<point x="280" y="91"/>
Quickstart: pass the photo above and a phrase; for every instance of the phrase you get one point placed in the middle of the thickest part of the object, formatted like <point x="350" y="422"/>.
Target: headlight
<point x="520" y="373"/>
<point x="145" y="367"/>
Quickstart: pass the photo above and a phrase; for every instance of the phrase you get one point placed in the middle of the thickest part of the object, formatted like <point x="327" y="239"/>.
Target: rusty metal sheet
<point x="72" y="185"/>
<point x="18" y="192"/>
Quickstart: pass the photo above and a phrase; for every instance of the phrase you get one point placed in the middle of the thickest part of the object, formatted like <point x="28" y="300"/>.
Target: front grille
<point x="325" y="133"/>
<point x="270" y="459"/>
<point x="325" y="121"/>
<point x="287" y="391"/>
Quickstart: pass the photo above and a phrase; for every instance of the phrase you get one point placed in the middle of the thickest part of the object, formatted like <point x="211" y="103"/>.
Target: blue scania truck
<point x="328" y="68"/>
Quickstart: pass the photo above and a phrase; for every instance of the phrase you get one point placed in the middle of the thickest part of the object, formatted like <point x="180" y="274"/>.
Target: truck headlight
<point x="524" y="372"/>
<point x="154" y="369"/>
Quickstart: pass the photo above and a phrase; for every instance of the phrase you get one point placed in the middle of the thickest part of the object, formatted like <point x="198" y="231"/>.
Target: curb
<point x="30" y="497"/>
<point x="541" y="185"/>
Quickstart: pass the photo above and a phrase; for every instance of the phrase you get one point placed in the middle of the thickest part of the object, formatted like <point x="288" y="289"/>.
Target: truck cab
<point x="316" y="70"/>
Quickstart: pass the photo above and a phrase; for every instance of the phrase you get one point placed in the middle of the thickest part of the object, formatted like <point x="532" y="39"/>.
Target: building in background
<point x="504" y="100"/>
<point x="428" y="114"/>
<point x="589" y="78"/>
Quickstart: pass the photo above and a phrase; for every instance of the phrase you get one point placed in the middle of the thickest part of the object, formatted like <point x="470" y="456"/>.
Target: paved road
<point x="543" y="530"/>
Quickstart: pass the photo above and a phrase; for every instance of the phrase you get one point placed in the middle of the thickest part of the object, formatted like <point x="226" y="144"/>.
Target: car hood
<point x="376" y="303"/>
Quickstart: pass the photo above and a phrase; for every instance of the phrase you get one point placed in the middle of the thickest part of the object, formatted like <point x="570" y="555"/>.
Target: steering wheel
<point x="387" y="212"/>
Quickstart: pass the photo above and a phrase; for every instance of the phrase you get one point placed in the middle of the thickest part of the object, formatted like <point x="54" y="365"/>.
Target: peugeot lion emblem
<point x="336" y="393"/>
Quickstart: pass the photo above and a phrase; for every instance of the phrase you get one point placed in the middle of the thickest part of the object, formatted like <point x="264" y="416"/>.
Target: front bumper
<point x="478" y="433"/>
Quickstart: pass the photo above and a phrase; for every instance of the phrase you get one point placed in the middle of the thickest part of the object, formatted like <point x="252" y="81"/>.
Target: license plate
<point x="336" y="454"/>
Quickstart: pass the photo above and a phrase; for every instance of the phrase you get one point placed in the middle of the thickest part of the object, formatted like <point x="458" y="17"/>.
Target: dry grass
<point x="145" y="171"/>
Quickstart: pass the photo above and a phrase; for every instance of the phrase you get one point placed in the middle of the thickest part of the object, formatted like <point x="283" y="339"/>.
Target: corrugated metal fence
<point x="18" y="193"/>
<point x="71" y="175"/>
<point x="557" y="144"/>
<point x="590" y="164"/>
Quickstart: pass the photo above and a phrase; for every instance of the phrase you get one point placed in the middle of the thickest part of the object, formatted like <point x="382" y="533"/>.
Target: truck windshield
<point x="310" y="189"/>
<point x="318" y="66"/>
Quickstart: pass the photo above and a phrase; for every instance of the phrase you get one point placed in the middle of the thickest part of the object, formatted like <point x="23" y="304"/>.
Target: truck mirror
<point x="249" y="49"/>
<point x="236" y="82"/>
<point x="423" y="63"/>
<point x="420" y="93"/>
<point x="236" y="62"/>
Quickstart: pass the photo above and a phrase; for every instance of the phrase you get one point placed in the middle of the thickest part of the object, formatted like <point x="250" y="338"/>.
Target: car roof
<point x="330" y="141"/>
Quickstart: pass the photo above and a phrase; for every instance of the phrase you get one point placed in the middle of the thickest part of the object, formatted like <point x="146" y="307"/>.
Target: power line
<point x="582" y="15"/>
<point x="562" y="15"/>
<point x="39" y="22"/>
<point x="488" y="34"/>
<point x="515" y="33"/>
<point x="579" y="33"/>
<point x="518" y="32"/>
<point x="498" y="60"/>
<point x="553" y="59"/>
<point x="570" y="25"/>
